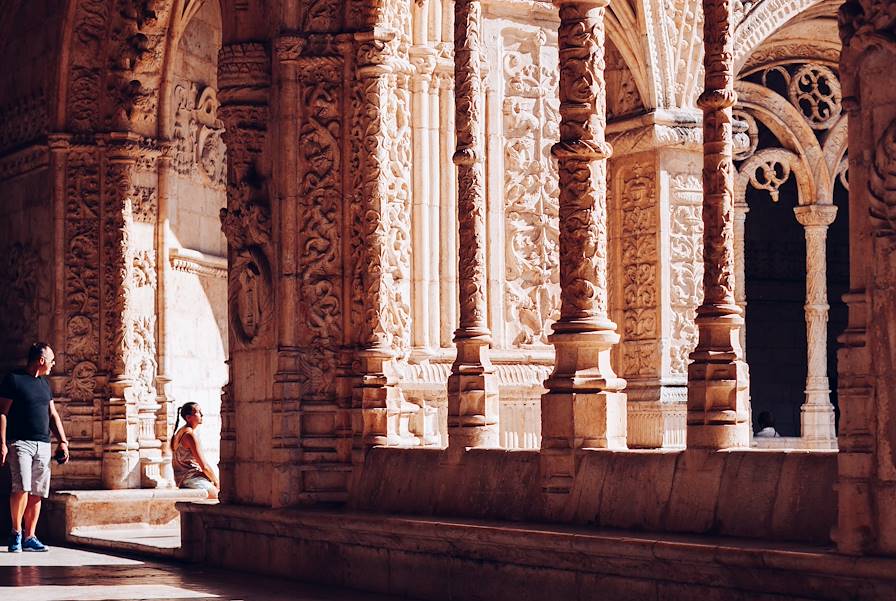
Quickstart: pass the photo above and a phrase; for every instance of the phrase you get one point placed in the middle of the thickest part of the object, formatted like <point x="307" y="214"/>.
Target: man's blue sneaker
<point x="32" y="544"/>
<point x="15" y="542"/>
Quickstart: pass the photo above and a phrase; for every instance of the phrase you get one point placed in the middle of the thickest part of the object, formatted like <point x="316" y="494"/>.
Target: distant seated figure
<point x="190" y="468"/>
<point x="766" y="423"/>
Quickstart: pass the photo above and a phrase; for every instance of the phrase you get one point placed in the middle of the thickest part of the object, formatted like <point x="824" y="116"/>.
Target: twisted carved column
<point x="472" y="385"/>
<point x="583" y="406"/>
<point x="717" y="377"/>
<point x="817" y="413"/>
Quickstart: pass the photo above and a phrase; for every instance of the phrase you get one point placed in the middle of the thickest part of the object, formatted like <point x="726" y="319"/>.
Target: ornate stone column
<point x="472" y="385"/>
<point x="817" y="413"/>
<point x="380" y="261"/>
<point x="584" y="406"/>
<point x="718" y="406"/>
<point x="121" y="424"/>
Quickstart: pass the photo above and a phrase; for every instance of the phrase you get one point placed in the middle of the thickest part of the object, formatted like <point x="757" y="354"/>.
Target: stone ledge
<point x="67" y="513"/>
<point x="441" y="559"/>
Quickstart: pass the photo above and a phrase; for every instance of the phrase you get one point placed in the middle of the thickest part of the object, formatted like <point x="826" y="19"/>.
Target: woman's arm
<point x="189" y="438"/>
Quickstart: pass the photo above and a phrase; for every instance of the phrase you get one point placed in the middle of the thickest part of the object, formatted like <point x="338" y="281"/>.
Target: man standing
<point x="27" y="414"/>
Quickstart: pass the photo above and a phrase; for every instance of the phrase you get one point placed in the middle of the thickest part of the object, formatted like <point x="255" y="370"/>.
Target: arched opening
<point x="775" y="269"/>
<point x="195" y="292"/>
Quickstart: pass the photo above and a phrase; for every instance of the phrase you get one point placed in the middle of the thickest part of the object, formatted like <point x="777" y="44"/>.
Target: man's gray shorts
<point x="29" y="463"/>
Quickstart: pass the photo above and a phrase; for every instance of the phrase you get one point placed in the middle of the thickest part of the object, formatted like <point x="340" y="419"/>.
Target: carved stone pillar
<point x="718" y="405"/>
<point x="584" y="405"/>
<point x="472" y="385"/>
<point x="380" y="258"/>
<point x="866" y="361"/>
<point x="244" y="80"/>
<point x="121" y="425"/>
<point x="817" y="413"/>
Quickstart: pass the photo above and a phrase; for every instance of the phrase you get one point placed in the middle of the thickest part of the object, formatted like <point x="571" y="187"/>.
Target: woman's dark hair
<point x="187" y="409"/>
<point x="766" y="420"/>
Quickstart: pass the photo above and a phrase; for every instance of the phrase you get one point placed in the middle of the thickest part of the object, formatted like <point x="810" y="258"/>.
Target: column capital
<point x="816" y="215"/>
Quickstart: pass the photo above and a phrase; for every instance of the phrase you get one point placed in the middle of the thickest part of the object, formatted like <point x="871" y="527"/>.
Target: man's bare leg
<point x="32" y="512"/>
<point x="17" y="503"/>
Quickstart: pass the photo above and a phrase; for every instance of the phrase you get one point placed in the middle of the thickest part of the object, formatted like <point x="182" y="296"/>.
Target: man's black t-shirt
<point x="29" y="416"/>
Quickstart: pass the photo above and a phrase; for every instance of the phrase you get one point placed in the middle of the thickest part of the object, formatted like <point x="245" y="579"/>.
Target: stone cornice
<point x="660" y="128"/>
<point x="24" y="161"/>
<point x="197" y="263"/>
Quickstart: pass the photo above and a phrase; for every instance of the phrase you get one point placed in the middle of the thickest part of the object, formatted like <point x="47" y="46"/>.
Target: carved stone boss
<point x="472" y="385"/>
<point x="584" y="406"/>
<point x="717" y="377"/>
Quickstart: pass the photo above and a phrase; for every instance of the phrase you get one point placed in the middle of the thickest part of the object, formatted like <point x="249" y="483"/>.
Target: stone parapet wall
<point x="774" y="495"/>
<point x="460" y="560"/>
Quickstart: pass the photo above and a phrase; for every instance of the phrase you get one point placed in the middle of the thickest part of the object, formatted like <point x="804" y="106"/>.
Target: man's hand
<point x="62" y="449"/>
<point x="3" y="453"/>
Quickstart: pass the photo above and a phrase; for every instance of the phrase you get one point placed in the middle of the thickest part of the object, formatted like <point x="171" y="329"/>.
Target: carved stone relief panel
<point x="320" y="195"/>
<point x="199" y="149"/>
<point x="635" y="186"/>
<point x="530" y="126"/>
<point x="686" y="253"/>
<point x="82" y="278"/>
<point x="24" y="295"/>
<point x="381" y="162"/>
<point x="23" y="121"/>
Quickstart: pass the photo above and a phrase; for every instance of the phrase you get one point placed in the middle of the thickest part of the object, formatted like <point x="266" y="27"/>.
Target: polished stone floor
<point x="66" y="574"/>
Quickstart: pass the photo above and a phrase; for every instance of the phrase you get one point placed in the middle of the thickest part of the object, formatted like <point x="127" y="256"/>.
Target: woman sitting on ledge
<point x="190" y="467"/>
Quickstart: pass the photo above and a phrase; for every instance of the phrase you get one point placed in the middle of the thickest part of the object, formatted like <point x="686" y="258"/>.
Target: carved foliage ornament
<point x="321" y="198"/>
<point x="380" y="139"/>
<point x="22" y="297"/>
<point x="686" y="250"/>
<point x="531" y="126"/>
<point x="82" y="279"/>
<point x="199" y="148"/>
<point x="882" y="183"/>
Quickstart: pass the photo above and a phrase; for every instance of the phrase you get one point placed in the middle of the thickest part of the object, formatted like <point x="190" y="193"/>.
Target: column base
<point x="472" y="397"/>
<point x="817" y="427"/>
<point x="718" y="405"/>
<point x="718" y="383"/>
<point x="573" y="421"/>
<point x="583" y="420"/>
<point x="121" y="469"/>
<point x="385" y="414"/>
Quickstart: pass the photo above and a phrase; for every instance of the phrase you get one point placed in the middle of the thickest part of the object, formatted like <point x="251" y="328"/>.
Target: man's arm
<point x="5" y="404"/>
<point x="56" y="427"/>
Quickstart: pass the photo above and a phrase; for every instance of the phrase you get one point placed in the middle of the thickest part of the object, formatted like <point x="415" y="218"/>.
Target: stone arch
<point x="765" y="18"/>
<point x="788" y="125"/>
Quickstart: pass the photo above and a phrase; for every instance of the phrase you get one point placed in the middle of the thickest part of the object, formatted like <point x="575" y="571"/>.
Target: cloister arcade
<point x="482" y="259"/>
